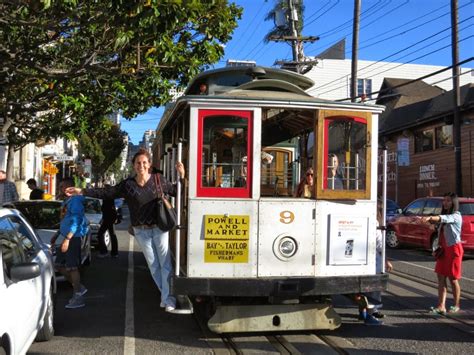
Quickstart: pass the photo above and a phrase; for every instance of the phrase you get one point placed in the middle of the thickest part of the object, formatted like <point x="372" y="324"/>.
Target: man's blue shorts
<point x="71" y="259"/>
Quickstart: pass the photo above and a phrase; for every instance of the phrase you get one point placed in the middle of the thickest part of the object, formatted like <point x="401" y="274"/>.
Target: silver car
<point x="45" y="217"/>
<point x="27" y="285"/>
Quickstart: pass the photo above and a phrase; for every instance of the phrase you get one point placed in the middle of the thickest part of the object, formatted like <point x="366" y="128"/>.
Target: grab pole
<point x="384" y="204"/>
<point x="178" y="212"/>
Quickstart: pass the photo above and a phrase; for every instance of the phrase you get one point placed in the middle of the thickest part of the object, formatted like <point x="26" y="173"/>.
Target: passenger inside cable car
<point x="335" y="177"/>
<point x="305" y="187"/>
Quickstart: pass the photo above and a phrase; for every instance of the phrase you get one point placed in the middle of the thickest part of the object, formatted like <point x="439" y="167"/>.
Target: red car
<point x="408" y="228"/>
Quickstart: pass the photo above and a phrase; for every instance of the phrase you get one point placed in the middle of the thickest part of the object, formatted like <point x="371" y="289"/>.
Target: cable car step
<point x="184" y="305"/>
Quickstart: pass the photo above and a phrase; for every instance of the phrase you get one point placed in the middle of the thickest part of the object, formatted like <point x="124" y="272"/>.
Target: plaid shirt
<point x="9" y="192"/>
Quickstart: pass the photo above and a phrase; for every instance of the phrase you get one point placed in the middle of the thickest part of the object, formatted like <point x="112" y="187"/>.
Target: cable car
<point x="260" y="256"/>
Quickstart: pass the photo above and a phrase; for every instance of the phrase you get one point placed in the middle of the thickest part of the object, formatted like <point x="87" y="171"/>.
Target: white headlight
<point x="285" y="247"/>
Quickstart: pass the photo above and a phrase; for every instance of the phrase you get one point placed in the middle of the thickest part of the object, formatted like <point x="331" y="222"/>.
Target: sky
<point x="402" y="31"/>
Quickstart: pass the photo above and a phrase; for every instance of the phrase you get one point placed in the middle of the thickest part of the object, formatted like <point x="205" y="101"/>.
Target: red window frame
<point x="327" y="122"/>
<point x="239" y="192"/>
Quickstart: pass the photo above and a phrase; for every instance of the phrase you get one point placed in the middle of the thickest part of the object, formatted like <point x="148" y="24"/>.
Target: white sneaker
<point x="170" y="308"/>
<point x="162" y="305"/>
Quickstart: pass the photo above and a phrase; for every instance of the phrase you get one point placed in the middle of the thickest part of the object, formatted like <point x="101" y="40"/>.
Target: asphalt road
<point x="122" y="314"/>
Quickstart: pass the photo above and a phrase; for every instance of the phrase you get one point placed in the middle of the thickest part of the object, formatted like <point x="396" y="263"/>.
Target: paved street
<point x="100" y="326"/>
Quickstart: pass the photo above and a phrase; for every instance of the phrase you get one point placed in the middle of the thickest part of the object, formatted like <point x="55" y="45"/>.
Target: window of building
<point x="444" y="136"/>
<point x="424" y="140"/>
<point x="364" y="87"/>
<point x="433" y="138"/>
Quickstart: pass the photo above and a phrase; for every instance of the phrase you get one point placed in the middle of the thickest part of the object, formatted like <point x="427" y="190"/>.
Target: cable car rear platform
<point x="283" y="310"/>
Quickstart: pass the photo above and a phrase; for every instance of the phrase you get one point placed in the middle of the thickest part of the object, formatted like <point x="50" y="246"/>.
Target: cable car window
<point x="225" y="154"/>
<point x="345" y="156"/>
<point x="347" y="149"/>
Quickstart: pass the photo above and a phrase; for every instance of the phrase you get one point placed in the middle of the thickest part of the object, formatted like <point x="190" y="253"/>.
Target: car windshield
<point x="92" y="206"/>
<point x="391" y="205"/>
<point x="466" y="209"/>
<point x="41" y="215"/>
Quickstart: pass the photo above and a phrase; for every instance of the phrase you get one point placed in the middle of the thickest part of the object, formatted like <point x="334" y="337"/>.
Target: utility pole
<point x="456" y="97"/>
<point x="298" y="63"/>
<point x="294" y="32"/>
<point x="355" y="46"/>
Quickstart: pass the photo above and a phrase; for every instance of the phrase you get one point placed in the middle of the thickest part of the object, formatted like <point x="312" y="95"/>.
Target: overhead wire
<point x="348" y="24"/>
<point x="246" y="30"/>
<point x="322" y="14"/>
<point x="401" y="64"/>
<point x="360" y="71"/>
<point x="420" y="78"/>
<point x="400" y="33"/>
<point x="255" y="28"/>
<point x="365" y="25"/>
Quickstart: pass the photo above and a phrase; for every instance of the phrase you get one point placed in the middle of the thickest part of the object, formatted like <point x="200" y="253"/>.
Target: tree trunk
<point x="10" y="162"/>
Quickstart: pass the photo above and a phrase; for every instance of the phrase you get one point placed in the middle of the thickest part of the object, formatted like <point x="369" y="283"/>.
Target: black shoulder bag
<point x="166" y="214"/>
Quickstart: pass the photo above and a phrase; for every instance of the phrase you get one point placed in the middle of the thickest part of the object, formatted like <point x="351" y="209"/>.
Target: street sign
<point x="63" y="157"/>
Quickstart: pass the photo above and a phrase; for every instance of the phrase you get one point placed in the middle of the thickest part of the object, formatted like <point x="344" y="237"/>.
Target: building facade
<point x="419" y="135"/>
<point x="333" y="77"/>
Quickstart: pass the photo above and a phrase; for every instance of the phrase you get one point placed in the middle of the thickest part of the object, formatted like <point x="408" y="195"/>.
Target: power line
<point x="391" y="55"/>
<point x="417" y="79"/>
<point x="417" y="50"/>
<point x="324" y="13"/>
<point x="401" y="64"/>
<point x="246" y="29"/>
<point x="255" y="28"/>
<point x="364" y="15"/>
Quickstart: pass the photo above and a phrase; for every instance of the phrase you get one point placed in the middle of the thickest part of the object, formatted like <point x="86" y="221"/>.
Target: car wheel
<point x="391" y="239"/>
<point x="47" y="331"/>
<point x="434" y="242"/>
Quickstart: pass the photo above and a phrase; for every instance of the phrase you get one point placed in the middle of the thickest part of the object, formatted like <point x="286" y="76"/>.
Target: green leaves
<point x="67" y="62"/>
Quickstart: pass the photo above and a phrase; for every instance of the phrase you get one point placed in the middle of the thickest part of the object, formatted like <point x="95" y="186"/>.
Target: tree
<point x="67" y="63"/>
<point x="103" y="146"/>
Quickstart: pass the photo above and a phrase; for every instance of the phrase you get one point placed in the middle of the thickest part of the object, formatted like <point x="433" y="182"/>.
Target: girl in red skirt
<point x="448" y="265"/>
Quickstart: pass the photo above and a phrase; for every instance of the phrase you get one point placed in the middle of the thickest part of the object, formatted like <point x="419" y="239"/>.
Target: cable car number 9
<point x="287" y="217"/>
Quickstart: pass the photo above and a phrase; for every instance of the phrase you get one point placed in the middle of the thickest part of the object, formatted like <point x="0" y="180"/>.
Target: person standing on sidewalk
<point x="142" y="194"/>
<point x="36" y="192"/>
<point x="8" y="192"/>
<point x="109" y="216"/>
<point x="73" y="228"/>
<point x="449" y="264"/>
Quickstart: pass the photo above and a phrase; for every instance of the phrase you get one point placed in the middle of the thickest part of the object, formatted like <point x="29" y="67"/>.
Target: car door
<point x="426" y="230"/>
<point x="408" y="222"/>
<point x="34" y="253"/>
<point x="20" y="297"/>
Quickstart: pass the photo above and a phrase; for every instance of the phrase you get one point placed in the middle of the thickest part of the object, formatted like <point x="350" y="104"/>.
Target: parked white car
<point x="44" y="217"/>
<point x="27" y="285"/>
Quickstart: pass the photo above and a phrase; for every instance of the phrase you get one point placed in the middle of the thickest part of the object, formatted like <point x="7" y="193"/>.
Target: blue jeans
<point x="155" y="246"/>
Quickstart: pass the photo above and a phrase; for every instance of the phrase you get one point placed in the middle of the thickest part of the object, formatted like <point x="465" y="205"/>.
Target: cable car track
<point x="284" y="343"/>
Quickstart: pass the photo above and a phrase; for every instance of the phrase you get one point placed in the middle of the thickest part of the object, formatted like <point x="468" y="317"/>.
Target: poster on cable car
<point x="226" y="239"/>
<point x="348" y="240"/>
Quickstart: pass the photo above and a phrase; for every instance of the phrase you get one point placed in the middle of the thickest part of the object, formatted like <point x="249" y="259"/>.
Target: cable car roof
<point x="229" y="78"/>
